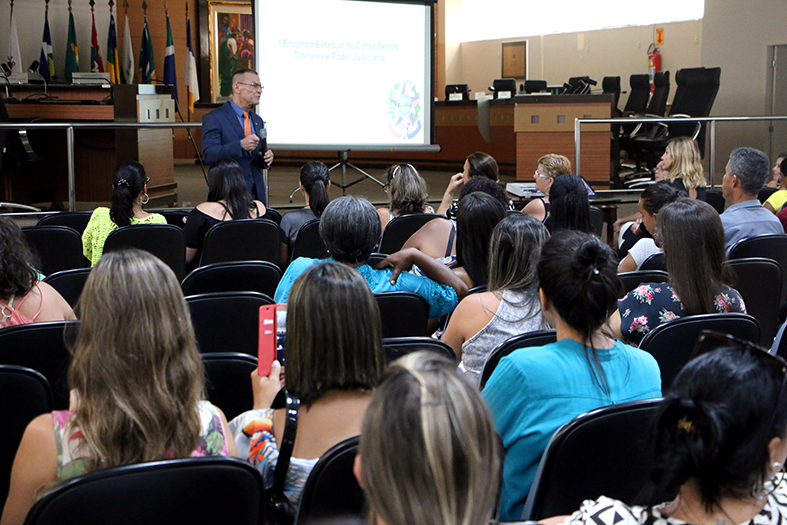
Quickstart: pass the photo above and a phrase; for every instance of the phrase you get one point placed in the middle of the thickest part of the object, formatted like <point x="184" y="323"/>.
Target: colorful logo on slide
<point x="404" y="110"/>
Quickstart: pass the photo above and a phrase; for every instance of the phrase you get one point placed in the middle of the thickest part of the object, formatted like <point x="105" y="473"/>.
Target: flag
<point x="72" y="52"/>
<point x="96" y="65"/>
<point x="146" y="63"/>
<point x="14" y="61"/>
<point x="128" y="56"/>
<point x="169" y="65"/>
<point x="46" y="61"/>
<point x="192" y="82"/>
<point x="112" y="52"/>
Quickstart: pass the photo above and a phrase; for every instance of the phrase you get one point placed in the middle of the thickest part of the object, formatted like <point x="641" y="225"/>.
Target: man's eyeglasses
<point x="252" y="85"/>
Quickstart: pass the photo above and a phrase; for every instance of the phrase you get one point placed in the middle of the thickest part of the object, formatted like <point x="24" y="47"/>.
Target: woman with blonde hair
<point x="407" y="191"/>
<point x="684" y="164"/>
<point x="138" y="385"/>
<point x="429" y="453"/>
<point x="550" y="167"/>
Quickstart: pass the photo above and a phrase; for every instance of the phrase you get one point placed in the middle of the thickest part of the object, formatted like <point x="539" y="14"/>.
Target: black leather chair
<point x="654" y="262"/>
<point x="639" y="94"/>
<point x="197" y="491"/>
<point x="242" y="240"/>
<point x="658" y="99"/>
<point x="503" y="84"/>
<point x="538" y="338"/>
<point x="42" y="347"/>
<point x="376" y="258"/>
<point x="396" y="347"/>
<point x="165" y="241"/>
<point x="69" y="283"/>
<point x="308" y="243"/>
<point x="611" y="86"/>
<point x="233" y="276"/>
<point x="227" y="381"/>
<point x="24" y="395"/>
<point x="272" y="215"/>
<point x="73" y="219"/>
<point x="534" y="86"/>
<point x="602" y="452"/>
<point x="631" y="280"/>
<point x="58" y="248"/>
<point x="756" y="279"/>
<point x="174" y="216"/>
<point x="404" y="314"/>
<point x="672" y="343"/>
<point x="227" y="321"/>
<point x="402" y="228"/>
<point x="765" y="193"/>
<point x="332" y="493"/>
<point x="715" y="199"/>
<point x="767" y="246"/>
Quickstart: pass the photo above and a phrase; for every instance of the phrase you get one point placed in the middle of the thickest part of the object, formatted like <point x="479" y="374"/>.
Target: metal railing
<point x="711" y="132"/>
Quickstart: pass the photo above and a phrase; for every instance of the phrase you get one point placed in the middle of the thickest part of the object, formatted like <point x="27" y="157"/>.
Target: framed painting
<point x="515" y="59"/>
<point x="231" y="36"/>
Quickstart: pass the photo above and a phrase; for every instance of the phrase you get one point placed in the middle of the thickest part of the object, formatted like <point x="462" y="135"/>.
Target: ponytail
<point x="129" y="182"/>
<point x="315" y="179"/>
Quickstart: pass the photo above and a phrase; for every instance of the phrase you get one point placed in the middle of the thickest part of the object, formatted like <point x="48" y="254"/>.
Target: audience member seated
<point x="569" y="207"/>
<point x="776" y="181"/>
<point x="138" y="385"/>
<point x="477" y="164"/>
<point x="550" y="167"/>
<point x="477" y="216"/>
<point x="351" y="229"/>
<point x="683" y="161"/>
<point x="719" y="443"/>
<point x="314" y="185"/>
<point x="510" y="306"/>
<point x="334" y="353"/>
<point x="228" y="199"/>
<point x="533" y="393"/>
<point x="693" y="243"/>
<point x="130" y="193"/>
<point x="779" y="198"/>
<point x="23" y="298"/>
<point x="428" y="453"/>
<point x="407" y="191"/>
<point x="744" y="175"/>
<point x="652" y="199"/>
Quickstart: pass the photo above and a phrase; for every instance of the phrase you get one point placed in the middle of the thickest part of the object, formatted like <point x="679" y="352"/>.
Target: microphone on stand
<point x="263" y="134"/>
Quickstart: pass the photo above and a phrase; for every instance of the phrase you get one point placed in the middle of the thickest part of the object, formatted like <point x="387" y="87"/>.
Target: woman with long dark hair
<point x="569" y="208"/>
<point x="130" y="184"/>
<point x="478" y="215"/>
<point x="315" y="180"/>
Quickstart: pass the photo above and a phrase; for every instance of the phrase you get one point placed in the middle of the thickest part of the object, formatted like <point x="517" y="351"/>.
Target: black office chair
<point x="396" y="347"/>
<point x="42" y="347"/>
<point x="24" y="395"/>
<point x="639" y="94"/>
<point x="672" y="343"/>
<point x="174" y="216"/>
<point x="530" y="339"/>
<point x="272" y="215"/>
<point x="768" y="246"/>
<point x="400" y="229"/>
<point x="534" y="86"/>
<point x="765" y="193"/>
<point x="462" y="89"/>
<point x="73" y="219"/>
<point x="658" y="99"/>
<point x="503" y="84"/>
<point x="227" y="321"/>
<point x="242" y="240"/>
<point x="69" y="283"/>
<point x="165" y="241"/>
<point x="611" y="86"/>
<point x="654" y="262"/>
<point x="308" y="243"/>
<point x="596" y="221"/>
<point x="58" y="248"/>
<point x="404" y="314"/>
<point x="332" y="493"/>
<point x="227" y="381"/>
<point x="657" y="107"/>
<point x="376" y="258"/>
<point x="602" y="452"/>
<point x="197" y="491"/>
<point x="755" y="279"/>
<point x="715" y="199"/>
<point x="233" y="276"/>
<point x="631" y="280"/>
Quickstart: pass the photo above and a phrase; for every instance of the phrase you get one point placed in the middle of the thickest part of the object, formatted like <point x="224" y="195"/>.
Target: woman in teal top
<point x="534" y="391"/>
<point x="131" y="192"/>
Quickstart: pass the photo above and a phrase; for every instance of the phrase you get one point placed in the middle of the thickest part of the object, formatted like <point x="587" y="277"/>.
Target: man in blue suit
<point x="232" y="131"/>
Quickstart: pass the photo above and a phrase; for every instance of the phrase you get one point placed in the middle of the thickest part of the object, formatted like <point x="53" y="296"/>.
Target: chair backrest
<point x="602" y="452"/>
<point x="402" y="228"/>
<point x="242" y="240"/>
<point x="196" y="491"/>
<point x="308" y="243"/>
<point x="755" y="279"/>
<point x="331" y="491"/>
<point x="696" y="93"/>
<point x="765" y="193"/>
<point x="58" y="247"/>
<point x="233" y="276"/>
<point x="530" y="339"/>
<point x="24" y="395"/>
<point x="69" y="283"/>
<point x="654" y="262"/>
<point x="174" y="216"/>
<point x="633" y="279"/>
<point x="396" y="347"/>
<point x="227" y="381"/>
<point x="596" y="221"/>
<point x="658" y="100"/>
<point x="272" y="215"/>
<point x="534" y="86"/>
<point x="73" y="219"/>
<point x="404" y="314"/>
<point x="611" y="86"/>
<point x="376" y="258"/>
<point x="672" y="343"/>
<point x="227" y="321"/>
<point x="165" y="241"/>
<point x="42" y="347"/>
<point x="767" y="246"/>
<point x="638" y="95"/>
<point x="716" y="199"/>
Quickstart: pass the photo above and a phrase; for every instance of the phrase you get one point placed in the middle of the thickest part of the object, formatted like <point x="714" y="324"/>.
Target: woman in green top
<point x="131" y="192"/>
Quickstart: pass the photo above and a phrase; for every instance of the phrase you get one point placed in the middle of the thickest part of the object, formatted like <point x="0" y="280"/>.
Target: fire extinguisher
<point x="654" y="64"/>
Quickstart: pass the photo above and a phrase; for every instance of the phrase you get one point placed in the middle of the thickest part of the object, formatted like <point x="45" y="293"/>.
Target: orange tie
<point x="246" y="124"/>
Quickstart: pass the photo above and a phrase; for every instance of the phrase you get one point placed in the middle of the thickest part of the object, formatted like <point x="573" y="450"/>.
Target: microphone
<point x="263" y="134"/>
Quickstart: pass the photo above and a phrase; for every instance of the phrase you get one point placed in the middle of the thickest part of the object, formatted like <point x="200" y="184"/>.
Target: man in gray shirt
<point x="746" y="172"/>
